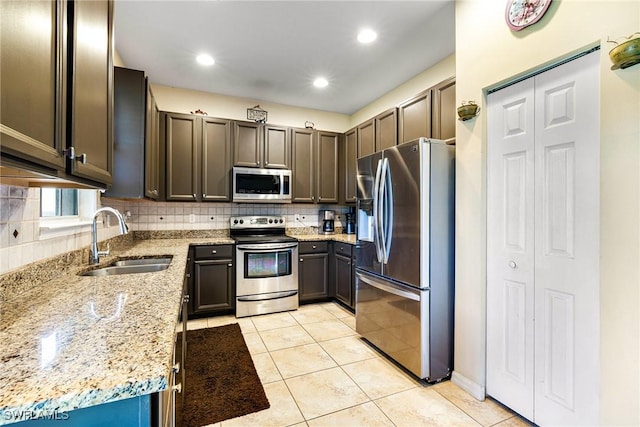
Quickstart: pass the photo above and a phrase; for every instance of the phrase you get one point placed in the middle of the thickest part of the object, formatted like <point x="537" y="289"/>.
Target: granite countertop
<point x="344" y="238"/>
<point x="75" y="341"/>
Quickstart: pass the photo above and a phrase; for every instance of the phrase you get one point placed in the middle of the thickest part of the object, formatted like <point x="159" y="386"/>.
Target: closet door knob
<point x="512" y="264"/>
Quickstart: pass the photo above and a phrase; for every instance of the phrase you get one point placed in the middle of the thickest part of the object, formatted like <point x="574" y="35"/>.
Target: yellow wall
<point x="184" y="101"/>
<point x="488" y="53"/>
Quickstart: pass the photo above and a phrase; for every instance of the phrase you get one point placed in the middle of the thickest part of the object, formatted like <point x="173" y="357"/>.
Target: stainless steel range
<point x="266" y="265"/>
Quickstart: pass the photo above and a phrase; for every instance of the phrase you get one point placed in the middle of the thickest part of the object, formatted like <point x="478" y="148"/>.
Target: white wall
<point x="488" y="53"/>
<point x="228" y="107"/>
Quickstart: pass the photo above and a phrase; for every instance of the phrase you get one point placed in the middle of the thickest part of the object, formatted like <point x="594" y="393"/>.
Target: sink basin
<point x="126" y="269"/>
<point x="143" y="261"/>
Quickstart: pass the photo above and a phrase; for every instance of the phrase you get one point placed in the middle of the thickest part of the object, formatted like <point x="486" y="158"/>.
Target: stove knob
<point x="235" y="221"/>
<point x="270" y="221"/>
<point x="242" y="221"/>
<point x="281" y="220"/>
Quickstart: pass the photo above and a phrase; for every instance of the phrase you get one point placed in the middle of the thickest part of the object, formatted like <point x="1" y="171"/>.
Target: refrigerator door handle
<point x="415" y="296"/>
<point x="376" y="212"/>
<point x="387" y="204"/>
<point x="382" y="218"/>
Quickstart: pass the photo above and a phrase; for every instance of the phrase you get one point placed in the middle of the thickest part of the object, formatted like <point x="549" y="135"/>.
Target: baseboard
<point x="474" y="389"/>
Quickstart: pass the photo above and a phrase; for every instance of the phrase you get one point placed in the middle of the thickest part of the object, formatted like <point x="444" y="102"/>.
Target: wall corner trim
<point x="474" y="389"/>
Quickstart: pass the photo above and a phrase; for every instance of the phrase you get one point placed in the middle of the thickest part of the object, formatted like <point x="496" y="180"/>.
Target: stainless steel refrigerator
<point x="405" y="255"/>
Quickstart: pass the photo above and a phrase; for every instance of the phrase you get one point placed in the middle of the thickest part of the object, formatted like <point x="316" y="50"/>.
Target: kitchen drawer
<point x="213" y="251"/>
<point x="313" y="247"/>
<point x="344" y="249"/>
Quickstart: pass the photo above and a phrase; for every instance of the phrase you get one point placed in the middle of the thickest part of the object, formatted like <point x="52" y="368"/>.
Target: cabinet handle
<point x="194" y="196"/>
<point x="82" y="158"/>
<point x="154" y="192"/>
<point x="175" y="368"/>
<point x="185" y="298"/>
<point x="204" y="195"/>
<point x="188" y="275"/>
<point x="229" y="265"/>
<point x="214" y="252"/>
<point x="258" y="163"/>
<point x="313" y="198"/>
<point x="513" y="264"/>
<point x="177" y="387"/>
<point x="301" y="260"/>
<point x="313" y="247"/>
<point x="266" y="163"/>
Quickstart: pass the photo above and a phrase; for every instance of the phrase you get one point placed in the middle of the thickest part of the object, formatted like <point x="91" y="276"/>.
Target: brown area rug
<point x="221" y="380"/>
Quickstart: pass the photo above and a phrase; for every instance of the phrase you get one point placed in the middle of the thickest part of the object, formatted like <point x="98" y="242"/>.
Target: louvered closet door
<point x="510" y="247"/>
<point x="543" y="245"/>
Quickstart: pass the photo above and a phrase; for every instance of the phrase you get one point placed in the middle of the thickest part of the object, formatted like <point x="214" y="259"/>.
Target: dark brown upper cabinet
<point x="348" y="157"/>
<point x="444" y="111"/>
<point x="367" y="138"/>
<point x="57" y="92"/>
<point x="91" y="100"/>
<point x="261" y="146"/>
<point x="135" y="140"/>
<point x="386" y="125"/>
<point x="414" y="118"/>
<point x="198" y="157"/>
<point x="32" y="101"/>
<point x="315" y="166"/>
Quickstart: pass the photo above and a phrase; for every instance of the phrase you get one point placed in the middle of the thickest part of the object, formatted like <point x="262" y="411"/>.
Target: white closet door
<point x="567" y="276"/>
<point x="510" y="246"/>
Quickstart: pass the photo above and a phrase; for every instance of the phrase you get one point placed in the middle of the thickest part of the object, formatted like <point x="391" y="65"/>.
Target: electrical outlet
<point x="297" y="217"/>
<point x="192" y="218"/>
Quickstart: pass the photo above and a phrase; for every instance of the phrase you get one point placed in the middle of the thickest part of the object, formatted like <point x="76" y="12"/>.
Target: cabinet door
<point x="32" y="101"/>
<point x="367" y="138"/>
<point x="414" y="118"/>
<point x="444" y="111"/>
<point x="327" y="169"/>
<point x="277" y="148"/>
<point x="216" y="159"/>
<point x="386" y="129"/>
<point x="91" y="90"/>
<point x="181" y="159"/>
<point x="303" y="166"/>
<point x="247" y="150"/>
<point x="213" y="286"/>
<point x="350" y="154"/>
<point x="152" y="147"/>
<point x="342" y="270"/>
<point x="312" y="277"/>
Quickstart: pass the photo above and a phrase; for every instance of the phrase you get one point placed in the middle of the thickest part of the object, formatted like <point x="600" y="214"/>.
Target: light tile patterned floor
<point x="317" y="371"/>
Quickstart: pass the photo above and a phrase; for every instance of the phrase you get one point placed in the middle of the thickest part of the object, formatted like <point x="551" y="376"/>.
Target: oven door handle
<point x="267" y="246"/>
<point x="269" y="296"/>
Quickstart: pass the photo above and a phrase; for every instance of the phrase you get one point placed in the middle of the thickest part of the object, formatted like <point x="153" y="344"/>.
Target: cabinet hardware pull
<point x="229" y="265"/>
<point x="194" y="196"/>
<point x="214" y="252"/>
<point x="82" y="158"/>
<point x="70" y="152"/>
<point x="185" y="298"/>
<point x="513" y="264"/>
<point x="313" y="247"/>
<point x="301" y="260"/>
<point x="177" y="387"/>
<point x="175" y="368"/>
<point x="204" y="195"/>
<point x="188" y="275"/>
<point x="154" y="192"/>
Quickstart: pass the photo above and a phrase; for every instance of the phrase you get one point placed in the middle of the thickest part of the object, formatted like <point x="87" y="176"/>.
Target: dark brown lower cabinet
<point x="342" y="269"/>
<point x="313" y="272"/>
<point x="212" y="280"/>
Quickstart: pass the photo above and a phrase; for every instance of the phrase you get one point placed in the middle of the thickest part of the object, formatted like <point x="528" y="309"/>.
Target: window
<point x="55" y="202"/>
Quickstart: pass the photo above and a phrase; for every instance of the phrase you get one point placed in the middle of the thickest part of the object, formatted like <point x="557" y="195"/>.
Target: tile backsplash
<point x="22" y="241"/>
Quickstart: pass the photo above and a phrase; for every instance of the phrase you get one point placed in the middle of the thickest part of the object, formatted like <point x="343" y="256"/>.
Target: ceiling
<point x="273" y="50"/>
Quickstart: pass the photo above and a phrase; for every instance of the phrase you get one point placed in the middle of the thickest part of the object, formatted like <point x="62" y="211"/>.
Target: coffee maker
<point x="350" y="227"/>
<point x="326" y="222"/>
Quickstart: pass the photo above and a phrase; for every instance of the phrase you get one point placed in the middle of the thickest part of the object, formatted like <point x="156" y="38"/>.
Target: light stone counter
<point x="345" y="238"/>
<point x="74" y="341"/>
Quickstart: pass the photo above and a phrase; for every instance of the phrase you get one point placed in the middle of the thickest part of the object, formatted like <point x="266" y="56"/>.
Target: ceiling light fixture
<point x="320" y="82"/>
<point x="205" y="59"/>
<point x="367" y="36"/>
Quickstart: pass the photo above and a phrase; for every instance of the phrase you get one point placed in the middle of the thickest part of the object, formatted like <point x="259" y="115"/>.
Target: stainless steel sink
<point x="126" y="269"/>
<point x="143" y="261"/>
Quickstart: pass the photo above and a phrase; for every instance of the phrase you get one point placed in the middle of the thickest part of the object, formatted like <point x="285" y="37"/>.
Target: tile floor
<point x="316" y="371"/>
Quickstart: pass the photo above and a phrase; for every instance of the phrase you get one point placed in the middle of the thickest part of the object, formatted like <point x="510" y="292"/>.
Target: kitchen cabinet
<point x="348" y="159"/>
<point x="135" y="137"/>
<point x="213" y="280"/>
<point x="315" y="166"/>
<point x="414" y="117"/>
<point x="386" y="124"/>
<point x="444" y="111"/>
<point x="66" y="102"/>
<point x="344" y="273"/>
<point x="261" y="146"/>
<point x="313" y="268"/>
<point x="366" y="138"/>
<point x="198" y="157"/>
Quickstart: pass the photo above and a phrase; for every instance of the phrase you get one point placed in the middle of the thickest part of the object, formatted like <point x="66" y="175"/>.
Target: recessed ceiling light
<point x="205" y="59"/>
<point x="320" y="82"/>
<point x="367" y="36"/>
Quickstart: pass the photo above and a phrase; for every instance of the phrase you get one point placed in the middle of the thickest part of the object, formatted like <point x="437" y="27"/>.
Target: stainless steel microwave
<point x="253" y="185"/>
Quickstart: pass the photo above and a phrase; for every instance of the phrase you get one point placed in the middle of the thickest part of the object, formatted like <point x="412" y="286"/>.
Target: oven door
<point x="266" y="268"/>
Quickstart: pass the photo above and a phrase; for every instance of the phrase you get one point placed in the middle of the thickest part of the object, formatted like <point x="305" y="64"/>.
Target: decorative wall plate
<point x="522" y="13"/>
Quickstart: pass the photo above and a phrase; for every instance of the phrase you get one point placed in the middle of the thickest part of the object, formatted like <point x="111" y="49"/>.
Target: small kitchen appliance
<point x="350" y="227"/>
<point x="326" y="222"/>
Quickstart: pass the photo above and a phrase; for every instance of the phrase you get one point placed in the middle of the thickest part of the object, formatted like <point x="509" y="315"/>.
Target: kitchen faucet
<point x="95" y="253"/>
